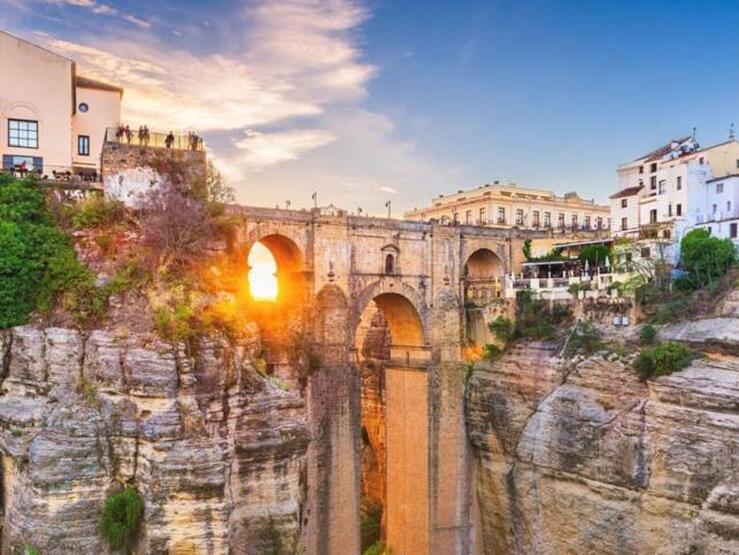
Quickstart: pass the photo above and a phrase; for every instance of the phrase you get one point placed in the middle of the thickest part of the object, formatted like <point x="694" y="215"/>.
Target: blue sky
<point x="365" y="101"/>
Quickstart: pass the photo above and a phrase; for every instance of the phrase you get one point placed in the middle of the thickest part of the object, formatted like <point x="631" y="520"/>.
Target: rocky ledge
<point x="216" y="449"/>
<point x="586" y="459"/>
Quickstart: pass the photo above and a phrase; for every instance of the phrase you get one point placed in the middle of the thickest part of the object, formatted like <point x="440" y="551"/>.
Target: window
<point x="624" y="202"/>
<point x="455" y="217"/>
<point x="653" y="216"/>
<point x="561" y="219"/>
<point x="11" y="161"/>
<point x="645" y="252"/>
<point x="519" y="216"/>
<point x="624" y="223"/>
<point x="535" y="218"/>
<point x="599" y="222"/>
<point x="662" y="186"/>
<point x="679" y="209"/>
<point x="700" y="160"/>
<point x="501" y="215"/>
<point x="574" y="221"/>
<point x="83" y="145"/>
<point x="666" y="234"/>
<point x="679" y="184"/>
<point x="714" y="208"/>
<point x="482" y="217"/>
<point x="653" y="167"/>
<point x="587" y="222"/>
<point x="732" y="231"/>
<point x="737" y="163"/>
<point x="641" y="169"/>
<point x="547" y="219"/>
<point x="669" y="209"/>
<point x="22" y="133"/>
<point x="468" y="217"/>
<point x="653" y="182"/>
<point x="719" y="187"/>
<point x="389" y="264"/>
<point x="728" y="206"/>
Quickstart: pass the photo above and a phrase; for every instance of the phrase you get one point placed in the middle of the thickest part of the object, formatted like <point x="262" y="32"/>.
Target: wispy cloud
<point x="386" y="189"/>
<point x="102" y="9"/>
<point x="258" y="150"/>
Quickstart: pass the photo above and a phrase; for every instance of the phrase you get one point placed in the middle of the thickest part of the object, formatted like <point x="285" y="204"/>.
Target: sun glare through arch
<point x="262" y="273"/>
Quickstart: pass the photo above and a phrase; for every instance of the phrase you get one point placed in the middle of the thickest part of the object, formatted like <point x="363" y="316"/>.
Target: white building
<point x="51" y="119"/>
<point x="665" y="192"/>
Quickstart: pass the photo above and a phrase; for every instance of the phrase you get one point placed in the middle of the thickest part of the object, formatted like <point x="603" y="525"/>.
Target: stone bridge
<point x="426" y="280"/>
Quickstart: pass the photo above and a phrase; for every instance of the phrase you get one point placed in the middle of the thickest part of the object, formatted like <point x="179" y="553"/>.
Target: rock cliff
<point x="580" y="457"/>
<point x="216" y="449"/>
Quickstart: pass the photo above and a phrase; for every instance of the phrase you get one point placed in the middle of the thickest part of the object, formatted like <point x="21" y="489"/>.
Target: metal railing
<point x="154" y="139"/>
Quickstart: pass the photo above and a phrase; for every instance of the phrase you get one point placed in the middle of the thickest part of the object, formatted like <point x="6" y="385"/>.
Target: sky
<point x="365" y="101"/>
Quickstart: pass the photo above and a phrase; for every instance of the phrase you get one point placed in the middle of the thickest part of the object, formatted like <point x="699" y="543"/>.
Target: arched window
<point x="389" y="264"/>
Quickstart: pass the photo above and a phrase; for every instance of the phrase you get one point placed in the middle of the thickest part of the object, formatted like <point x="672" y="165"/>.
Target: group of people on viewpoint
<point x="194" y="141"/>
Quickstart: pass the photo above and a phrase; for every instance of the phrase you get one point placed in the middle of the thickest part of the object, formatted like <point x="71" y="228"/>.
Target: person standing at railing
<point x="146" y="135"/>
<point x="128" y="134"/>
<point x="141" y="134"/>
<point x="169" y="140"/>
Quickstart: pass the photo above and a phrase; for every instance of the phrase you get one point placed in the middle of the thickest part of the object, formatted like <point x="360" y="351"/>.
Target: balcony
<point x="154" y="139"/>
<point x="73" y="176"/>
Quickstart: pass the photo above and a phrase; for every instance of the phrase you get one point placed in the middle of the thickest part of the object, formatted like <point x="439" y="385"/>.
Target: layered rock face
<point x="583" y="458"/>
<point x="216" y="450"/>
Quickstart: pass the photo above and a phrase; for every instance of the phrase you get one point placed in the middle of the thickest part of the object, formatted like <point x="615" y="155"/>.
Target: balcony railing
<point x="154" y="139"/>
<point x="65" y="174"/>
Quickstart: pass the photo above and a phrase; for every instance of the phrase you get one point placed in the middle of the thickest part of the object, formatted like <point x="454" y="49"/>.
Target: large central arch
<point x="403" y="440"/>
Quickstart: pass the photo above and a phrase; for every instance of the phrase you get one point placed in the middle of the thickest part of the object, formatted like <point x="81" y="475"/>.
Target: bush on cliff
<point x="662" y="360"/>
<point x="37" y="261"/>
<point x="704" y="257"/>
<point x="121" y="518"/>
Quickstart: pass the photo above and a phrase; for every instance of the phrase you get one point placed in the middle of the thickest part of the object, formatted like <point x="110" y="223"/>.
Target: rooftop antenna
<point x="694" y="130"/>
<point x="315" y="200"/>
<point x="387" y="205"/>
<point x="732" y="135"/>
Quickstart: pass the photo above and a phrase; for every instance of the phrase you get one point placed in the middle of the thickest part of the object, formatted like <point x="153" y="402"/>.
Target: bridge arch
<point x="402" y="307"/>
<point x="289" y="260"/>
<point x="483" y="263"/>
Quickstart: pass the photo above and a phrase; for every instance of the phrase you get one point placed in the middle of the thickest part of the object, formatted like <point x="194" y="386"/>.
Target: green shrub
<point x="29" y="550"/>
<point x="174" y="323"/>
<point x="502" y="328"/>
<point x="37" y="261"/>
<point x="97" y="211"/>
<point x="491" y="352"/>
<point x="704" y="257"/>
<point x="269" y="538"/>
<point x="121" y="518"/>
<point x="378" y="548"/>
<point x="371" y="517"/>
<point x="662" y="360"/>
<point x="647" y="335"/>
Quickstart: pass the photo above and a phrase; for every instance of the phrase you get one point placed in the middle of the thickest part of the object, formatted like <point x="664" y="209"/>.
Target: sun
<point x="262" y="274"/>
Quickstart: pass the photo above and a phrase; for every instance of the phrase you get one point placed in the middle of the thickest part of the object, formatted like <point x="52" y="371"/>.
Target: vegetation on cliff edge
<point x="121" y="518"/>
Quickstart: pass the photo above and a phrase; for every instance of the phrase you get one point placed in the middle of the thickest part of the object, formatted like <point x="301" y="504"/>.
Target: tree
<point x="704" y="257"/>
<point x="527" y="249"/>
<point x="176" y="226"/>
<point x="594" y="254"/>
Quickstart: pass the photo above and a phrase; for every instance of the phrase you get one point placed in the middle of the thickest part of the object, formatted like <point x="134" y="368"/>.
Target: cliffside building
<point x="510" y="206"/>
<point x="675" y="188"/>
<point x="52" y="120"/>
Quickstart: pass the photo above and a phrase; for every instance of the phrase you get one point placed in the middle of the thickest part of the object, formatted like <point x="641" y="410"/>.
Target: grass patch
<point x="97" y="211"/>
